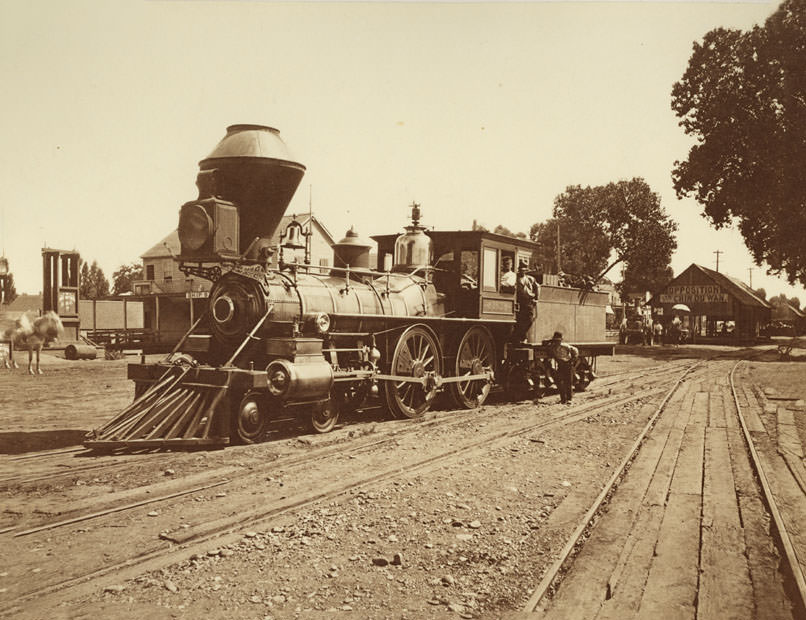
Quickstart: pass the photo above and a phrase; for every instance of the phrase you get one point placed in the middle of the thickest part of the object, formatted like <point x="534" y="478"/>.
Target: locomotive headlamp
<point x="195" y="226"/>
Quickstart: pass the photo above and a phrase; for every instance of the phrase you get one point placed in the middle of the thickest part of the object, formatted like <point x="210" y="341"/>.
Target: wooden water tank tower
<point x="60" y="288"/>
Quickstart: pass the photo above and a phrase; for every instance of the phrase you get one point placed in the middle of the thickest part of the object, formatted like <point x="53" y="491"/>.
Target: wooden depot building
<point x="722" y="309"/>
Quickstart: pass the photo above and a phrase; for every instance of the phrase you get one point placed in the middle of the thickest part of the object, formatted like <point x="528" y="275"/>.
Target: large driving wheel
<point x="250" y="419"/>
<point x="417" y="355"/>
<point x="324" y="416"/>
<point x="474" y="356"/>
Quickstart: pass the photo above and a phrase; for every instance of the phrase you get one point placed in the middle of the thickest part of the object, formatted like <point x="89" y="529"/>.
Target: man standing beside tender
<point x="527" y="292"/>
<point x="565" y="355"/>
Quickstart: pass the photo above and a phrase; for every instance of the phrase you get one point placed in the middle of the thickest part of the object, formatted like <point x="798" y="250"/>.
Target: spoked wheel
<point x="475" y="356"/>
<point x="527" y="380"/>
<point x="417" y="355"/>
<point x="324" y="416"/>
<point x="250" y="420"/>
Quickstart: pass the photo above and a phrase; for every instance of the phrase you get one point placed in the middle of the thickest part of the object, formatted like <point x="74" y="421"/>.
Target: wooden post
<point x="157" y="317"/>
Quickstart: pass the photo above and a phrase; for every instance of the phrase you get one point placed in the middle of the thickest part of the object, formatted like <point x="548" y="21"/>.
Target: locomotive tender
<point x="282" y="338"/>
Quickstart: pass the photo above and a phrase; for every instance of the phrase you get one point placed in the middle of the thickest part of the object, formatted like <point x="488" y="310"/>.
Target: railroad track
<point x="552" y="574"/>
<point x="793" y="564"/>
<point x="208" y="479"/>
<point x="453" y="418"/>
<point x="592" y="584"/>
<point x="180" y="543"/>
<point x="66" y="468"/>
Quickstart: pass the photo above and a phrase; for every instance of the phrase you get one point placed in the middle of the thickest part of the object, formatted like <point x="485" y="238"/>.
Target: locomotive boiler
<point x="281" y="337"/>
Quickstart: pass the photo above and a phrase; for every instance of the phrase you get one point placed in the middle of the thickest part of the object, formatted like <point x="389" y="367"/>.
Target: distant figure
<point x="657" y="328"/>
<point x="675" y="329"/>
<point x="34" y="336"/>
<point x="508" y="277"/>
<point x="528" y="291"/>
<point x="622" y="331"/>
<point x="565" y="355"/>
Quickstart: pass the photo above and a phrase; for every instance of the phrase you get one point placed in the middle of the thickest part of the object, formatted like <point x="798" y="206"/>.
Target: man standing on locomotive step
<point x="527" y="290"/>
<point x="565" y="355"/>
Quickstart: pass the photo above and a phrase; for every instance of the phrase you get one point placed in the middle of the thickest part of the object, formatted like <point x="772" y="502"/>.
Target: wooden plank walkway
<point x="686" y="535"/>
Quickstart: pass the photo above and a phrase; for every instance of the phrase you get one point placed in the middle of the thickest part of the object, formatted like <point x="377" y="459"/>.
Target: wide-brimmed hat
<point x="522" y="266"/>
<point x="557" y="336"/>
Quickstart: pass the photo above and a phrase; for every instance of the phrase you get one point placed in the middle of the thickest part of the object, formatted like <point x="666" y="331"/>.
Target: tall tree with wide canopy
<point x="603" y="226"/>
<point x="743" y="97"/>
<point x="124" y="276"/>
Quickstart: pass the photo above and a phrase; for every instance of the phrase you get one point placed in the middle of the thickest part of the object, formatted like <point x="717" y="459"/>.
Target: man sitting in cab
<point x="508" y="277"/>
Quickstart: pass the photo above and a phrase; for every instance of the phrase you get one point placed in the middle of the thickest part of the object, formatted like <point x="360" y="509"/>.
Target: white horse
<point x="33" y="336"/>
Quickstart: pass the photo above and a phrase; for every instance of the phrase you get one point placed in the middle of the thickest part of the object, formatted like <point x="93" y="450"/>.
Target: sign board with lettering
<point x="694" y="294"/>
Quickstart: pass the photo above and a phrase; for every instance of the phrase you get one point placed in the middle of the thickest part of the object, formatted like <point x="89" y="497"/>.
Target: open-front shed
<point x="712" y="306"/>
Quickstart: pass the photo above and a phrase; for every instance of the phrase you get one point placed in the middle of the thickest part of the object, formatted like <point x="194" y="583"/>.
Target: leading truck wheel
<point x="474" y="356"/>
<point x="250" y="420"/>
<point x="324" y="416"/>
<point x="416" y="355"/>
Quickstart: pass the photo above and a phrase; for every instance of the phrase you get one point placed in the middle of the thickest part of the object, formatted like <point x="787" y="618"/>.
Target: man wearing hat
<point x="564" y="355"/>
<point x="527" y="292"/>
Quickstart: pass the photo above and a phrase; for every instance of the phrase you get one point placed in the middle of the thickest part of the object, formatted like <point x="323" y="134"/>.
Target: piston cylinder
<point x="300" y="381"/>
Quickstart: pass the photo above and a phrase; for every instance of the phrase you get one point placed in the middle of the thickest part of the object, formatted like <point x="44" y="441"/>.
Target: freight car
<point x="288" y="337"/>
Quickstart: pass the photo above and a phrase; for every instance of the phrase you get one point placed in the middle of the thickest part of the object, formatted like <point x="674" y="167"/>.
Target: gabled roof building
<point x="719" y="306"/>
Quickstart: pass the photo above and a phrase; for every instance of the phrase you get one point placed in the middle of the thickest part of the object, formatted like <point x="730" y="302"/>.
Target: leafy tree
<point x="123" y="278"/>
<point x="578" y="255"/>
<point x="743" y="97"/>
<point x="761" y="293"/>
<point x="620" y="222"/>
<point x="92" y="282"/>
<point x="545" y="235"/>
<point x="10" y="291"/>
<point x="782" y="300"/>
<point x="503" y="230"/>
<point x="640" y="278"/>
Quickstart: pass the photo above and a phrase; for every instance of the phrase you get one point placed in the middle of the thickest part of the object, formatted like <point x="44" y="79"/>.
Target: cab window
<point x="490" y="273"/>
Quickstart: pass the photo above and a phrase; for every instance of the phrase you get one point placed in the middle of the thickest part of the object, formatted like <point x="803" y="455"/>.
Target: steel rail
<point x="795" y="568"/>
<point x="101" y="513"/>
<point x="554" y="570"/>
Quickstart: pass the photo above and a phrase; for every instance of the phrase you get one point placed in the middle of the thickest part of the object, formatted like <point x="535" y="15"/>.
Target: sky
<point x="482" y="111"/>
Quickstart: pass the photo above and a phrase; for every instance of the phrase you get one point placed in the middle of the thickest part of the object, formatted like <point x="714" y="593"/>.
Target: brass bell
<point x="293" y="236"/>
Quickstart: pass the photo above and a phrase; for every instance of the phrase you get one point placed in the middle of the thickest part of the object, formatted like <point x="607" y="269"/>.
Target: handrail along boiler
<point x="280" y="337"/>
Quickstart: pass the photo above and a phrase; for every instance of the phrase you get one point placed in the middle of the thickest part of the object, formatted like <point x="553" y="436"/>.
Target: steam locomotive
<point x="282" y="337"/>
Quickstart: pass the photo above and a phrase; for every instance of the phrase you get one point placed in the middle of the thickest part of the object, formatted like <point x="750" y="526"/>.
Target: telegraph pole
<point x="717" y="252"/>
<point x="559" y="269"/>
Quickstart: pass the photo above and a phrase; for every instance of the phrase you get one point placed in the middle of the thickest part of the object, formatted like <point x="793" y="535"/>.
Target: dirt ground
<point x="468" y="539"/>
